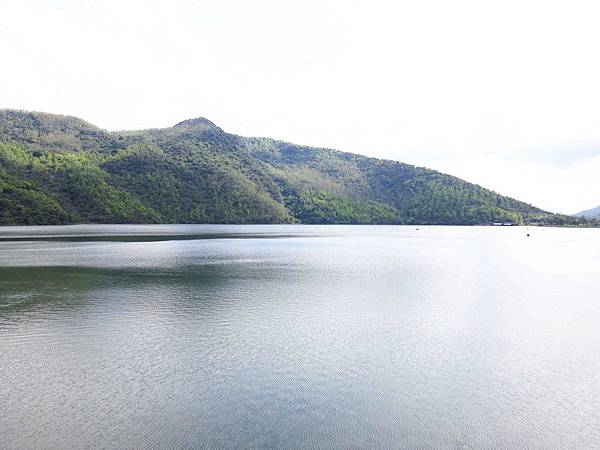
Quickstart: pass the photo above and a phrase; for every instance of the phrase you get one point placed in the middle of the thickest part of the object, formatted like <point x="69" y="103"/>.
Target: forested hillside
<point x="57" y="169"/>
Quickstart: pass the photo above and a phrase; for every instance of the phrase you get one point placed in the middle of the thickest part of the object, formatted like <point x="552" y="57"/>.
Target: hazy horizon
<point x="502" y="95"/>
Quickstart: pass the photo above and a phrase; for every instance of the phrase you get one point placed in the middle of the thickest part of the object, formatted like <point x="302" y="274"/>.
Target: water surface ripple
<point x="201" y="336"/>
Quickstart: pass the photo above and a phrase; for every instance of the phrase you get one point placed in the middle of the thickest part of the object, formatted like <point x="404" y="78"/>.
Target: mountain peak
<point x="205" y="175"/>
<point x="197" y="122"/>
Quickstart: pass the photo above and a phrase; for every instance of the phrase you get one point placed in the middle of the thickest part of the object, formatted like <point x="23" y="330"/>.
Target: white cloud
<point x="479" y="89"/>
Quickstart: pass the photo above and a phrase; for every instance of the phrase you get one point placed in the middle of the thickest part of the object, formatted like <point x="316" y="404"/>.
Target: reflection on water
<point x="324" y="337"/>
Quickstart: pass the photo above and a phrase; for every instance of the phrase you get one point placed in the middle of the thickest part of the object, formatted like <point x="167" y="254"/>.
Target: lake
<point x="215" y="336"/>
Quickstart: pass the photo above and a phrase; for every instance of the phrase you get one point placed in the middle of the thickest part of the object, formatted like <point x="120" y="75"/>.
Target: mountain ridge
<point x="197" y="121"/>
<point x="592" y="213"/>
<point x="62" y="169"/>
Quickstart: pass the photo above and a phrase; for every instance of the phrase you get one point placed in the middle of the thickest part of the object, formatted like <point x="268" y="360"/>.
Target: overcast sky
<point x="502" y="93"/>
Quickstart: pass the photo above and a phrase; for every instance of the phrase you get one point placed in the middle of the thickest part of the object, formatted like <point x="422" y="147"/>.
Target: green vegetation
<point x="57" y="169"/>
<point x="323" y="207"/>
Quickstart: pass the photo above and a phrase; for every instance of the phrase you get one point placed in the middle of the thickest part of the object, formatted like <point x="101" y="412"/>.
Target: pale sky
<point x="505" y="94"/>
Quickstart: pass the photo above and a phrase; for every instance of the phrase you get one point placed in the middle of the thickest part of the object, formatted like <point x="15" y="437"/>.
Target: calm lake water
<point x="299" y="336"/>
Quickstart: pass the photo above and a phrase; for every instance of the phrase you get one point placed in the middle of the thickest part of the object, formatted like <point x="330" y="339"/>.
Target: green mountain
<point x="58" y="169"/>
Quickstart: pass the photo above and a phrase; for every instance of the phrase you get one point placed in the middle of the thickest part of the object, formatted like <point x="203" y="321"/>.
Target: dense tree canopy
<point x="57" y="169"/>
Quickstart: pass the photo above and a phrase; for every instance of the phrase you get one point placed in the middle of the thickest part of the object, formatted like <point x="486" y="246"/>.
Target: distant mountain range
<point x="593" y="213"/>
<point x="57" y="169"/>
